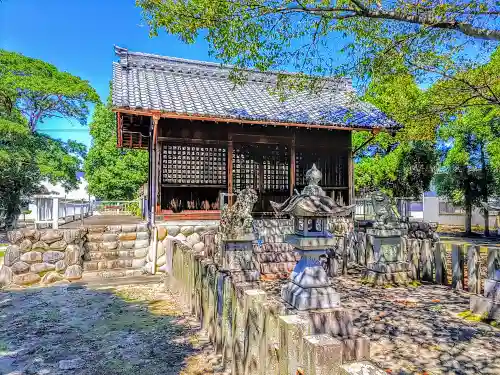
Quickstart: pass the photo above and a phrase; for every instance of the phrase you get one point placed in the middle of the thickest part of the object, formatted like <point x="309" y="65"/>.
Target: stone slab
<point x="292" y="329"/>
<point x="310" y="298"/>
<point x="382" y="278"/>
<point x="237" y="256"/>
<point x="485" y="306"/>
<point x="322" y="353"/>
<point x="385" y="232"/>
<point x="334" y="322"/>
<point x="360" y="368"/>
<point x="389" y="267"/>
<point x="356" y="348"/>
<point x="308" y="243"/>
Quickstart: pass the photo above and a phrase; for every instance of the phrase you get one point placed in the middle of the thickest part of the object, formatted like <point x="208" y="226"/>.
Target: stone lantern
<point x="309" y="286"/>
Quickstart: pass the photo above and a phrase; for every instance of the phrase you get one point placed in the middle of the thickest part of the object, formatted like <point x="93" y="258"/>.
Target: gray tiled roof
<point x="186" y="87"/>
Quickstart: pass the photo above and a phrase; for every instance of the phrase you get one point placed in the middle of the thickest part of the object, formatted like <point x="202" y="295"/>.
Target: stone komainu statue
<point x="236" y="220"/>
<point x="384" y="211"/>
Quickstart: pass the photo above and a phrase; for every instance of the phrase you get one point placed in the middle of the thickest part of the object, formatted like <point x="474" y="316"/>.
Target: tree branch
<point x="419" y="19"/>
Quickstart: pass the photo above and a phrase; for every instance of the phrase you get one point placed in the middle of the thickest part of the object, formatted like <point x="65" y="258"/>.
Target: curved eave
<point x="199" y="117"/>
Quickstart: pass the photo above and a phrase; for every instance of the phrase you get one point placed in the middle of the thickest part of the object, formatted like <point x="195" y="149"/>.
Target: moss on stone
<point x="414" y="284"/>
<point x="470" y="316"/>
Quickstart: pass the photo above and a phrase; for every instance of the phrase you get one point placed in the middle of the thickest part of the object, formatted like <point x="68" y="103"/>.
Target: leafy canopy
<point x="402" y="165"/>
<point x="112" y="173"/>
<point x="273" y="33"/>
<point x="40" y="91"/>
<point x="19" y="173"/>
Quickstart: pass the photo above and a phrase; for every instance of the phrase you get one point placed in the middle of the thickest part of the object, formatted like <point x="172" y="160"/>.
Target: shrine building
<point x="207" y="136"/>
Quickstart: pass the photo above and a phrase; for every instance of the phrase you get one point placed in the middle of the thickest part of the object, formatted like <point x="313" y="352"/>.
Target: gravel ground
<point x="417" y="330"/>
<point x="141" y="329"/>
<point x="128" y="329"/>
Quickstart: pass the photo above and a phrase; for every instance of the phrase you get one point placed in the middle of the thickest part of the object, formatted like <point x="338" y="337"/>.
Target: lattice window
<point x="245" y="170"/>
<point x="261" y="167"/>
<point x="194" y="165"/>
<point x="333" y="166"/>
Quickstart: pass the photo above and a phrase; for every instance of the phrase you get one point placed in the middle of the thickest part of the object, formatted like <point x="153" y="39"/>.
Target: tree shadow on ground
<point x="415" y="330"/>
<point x="97" y="331"/>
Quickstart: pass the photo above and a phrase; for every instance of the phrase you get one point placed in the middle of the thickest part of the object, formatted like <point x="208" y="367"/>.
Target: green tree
<point x="112" y="173"/>
<point x="40" y="91"/>
<point x="31" y="91"/>
<point x="19" y="173"/>
<point x="402" y="164"/>
<point x="467" y="177"/>
<point x="432" y="37"/>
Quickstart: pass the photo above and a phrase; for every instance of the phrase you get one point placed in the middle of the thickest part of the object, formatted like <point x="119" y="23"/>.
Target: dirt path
<point x="129" y="329"/>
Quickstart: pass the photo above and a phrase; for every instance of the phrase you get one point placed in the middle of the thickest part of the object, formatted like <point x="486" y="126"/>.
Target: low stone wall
<point x="254" y="330"/>
<point x="191" y="235"/>
<point x="462" y="266"/>
<point x="42" y="256"/>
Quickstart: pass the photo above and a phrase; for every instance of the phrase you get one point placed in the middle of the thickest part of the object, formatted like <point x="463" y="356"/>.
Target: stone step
<point x="112" y="237"/>
<point x="272" y="247"/>
<point x="115" y="254"/>
<point x="116" y="245"/>
<point x="274" y="256"/>
<point x="98" y="265"/>
<point x="89" y="276"/>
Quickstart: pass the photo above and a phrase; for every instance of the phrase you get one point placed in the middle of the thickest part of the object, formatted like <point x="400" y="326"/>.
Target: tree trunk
<point x="484" y="172"/>
<point x="468" y="218"/>
<point x="486" y="222"/>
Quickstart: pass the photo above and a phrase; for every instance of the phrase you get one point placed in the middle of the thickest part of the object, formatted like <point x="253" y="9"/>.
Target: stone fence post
<point x="473" y="269"/>
<point x="457" y="266"/>
<point x="440" y="261"/>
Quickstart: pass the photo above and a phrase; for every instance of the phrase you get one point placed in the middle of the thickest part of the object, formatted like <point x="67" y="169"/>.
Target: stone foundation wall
<point x="42" y="256"/>
<point x="253" y="330"/>
<point x="116" y="247"/>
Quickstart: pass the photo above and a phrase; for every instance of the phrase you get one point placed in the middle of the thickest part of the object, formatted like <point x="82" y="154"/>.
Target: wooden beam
<point x="193" y="140"/>
<point x="292" y="166"/>
<point x="260" y="138"/>
<point x="239" y="121"/>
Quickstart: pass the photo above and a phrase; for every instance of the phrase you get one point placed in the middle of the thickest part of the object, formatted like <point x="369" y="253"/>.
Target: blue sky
<point x="78" y="36"/>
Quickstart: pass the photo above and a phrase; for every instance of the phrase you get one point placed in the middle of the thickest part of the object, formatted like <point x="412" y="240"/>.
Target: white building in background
<point x="57" y="190"/>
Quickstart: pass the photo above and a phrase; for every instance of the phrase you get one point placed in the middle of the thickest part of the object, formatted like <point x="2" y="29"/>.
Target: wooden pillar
<point x="292" y="166"/>
<point x="350" y="170"/>
<point x="119" y="135"/>
<point x="154" y="167"/>
<point x="230" y="148"/>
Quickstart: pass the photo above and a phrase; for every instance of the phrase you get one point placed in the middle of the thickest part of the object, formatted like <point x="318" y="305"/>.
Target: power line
<point x="63" y="130"/>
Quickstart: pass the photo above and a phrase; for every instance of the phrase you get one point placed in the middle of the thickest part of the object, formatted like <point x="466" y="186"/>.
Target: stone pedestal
<point x="386" y="261"/>
<point x="309" y="287"/>
<point x="237" y="253"/>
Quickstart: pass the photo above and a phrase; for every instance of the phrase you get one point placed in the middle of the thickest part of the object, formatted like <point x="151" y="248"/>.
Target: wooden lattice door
<point x="265" y="168"/>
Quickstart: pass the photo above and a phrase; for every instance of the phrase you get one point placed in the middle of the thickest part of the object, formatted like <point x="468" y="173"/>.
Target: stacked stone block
<point x="115" y="247"/>
<point x="272" y="256"/>
<point x="257" y="333"/>
<point x="42" y="256"/>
